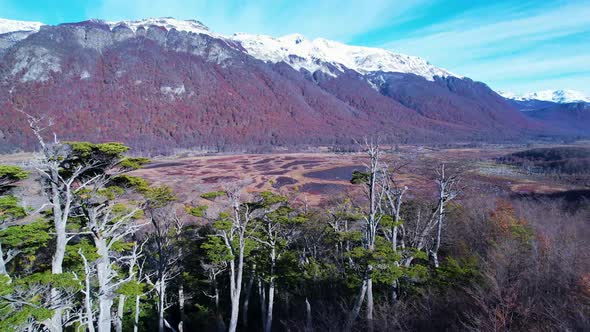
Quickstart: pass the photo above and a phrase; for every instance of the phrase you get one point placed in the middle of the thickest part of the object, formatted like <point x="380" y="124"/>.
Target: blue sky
<point x="518" y="46"/>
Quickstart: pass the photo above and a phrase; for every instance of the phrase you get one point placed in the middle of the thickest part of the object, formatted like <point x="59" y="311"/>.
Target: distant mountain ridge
<point x="565" y="110"/>
<point x="160" y="84"/>
<point x="555" y="96"/>
<point x="7" y="26"/>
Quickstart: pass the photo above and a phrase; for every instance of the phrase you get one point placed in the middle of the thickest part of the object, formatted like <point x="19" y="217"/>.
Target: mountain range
<point x="564" y="110"/>
<point x="554" y="96"/>
<point x="160" y="84"/>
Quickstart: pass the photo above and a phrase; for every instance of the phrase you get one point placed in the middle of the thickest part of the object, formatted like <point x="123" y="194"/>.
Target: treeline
<point x="110" y="251"/>
<point x="556" y="160"/>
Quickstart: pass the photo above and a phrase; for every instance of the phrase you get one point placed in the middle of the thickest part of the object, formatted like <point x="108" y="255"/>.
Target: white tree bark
<point x="104" y="276"/>
<point x="6" y="258"/>
<point x="2" y="261"/>
<point x="120" y="313"/>
<point x="60" y="195"/>
<point x="271" y="298"/>
<point x="308" y="317"/>
<point x="372" y="222"/>
<point x="354" y="313"/>
<point x="161" y="303"/>
<point x="237" y="233"/>
<point x="370" y="304"/>
<point x="89" y="317"/>
<point x="106" y="229"/>
<point x="446" y="193"/>
<point x="181" y="307"/>
<point x="136" y="314"/>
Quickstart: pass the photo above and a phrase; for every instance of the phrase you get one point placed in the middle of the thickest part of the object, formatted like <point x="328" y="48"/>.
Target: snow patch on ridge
<point x="313" y="55"/>
<point x="168" y="23"/>
<point x="556" y="96"/>
<point x="7" y="26"/>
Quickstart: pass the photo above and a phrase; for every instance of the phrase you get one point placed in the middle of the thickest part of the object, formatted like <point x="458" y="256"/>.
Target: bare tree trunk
<point x="105" y="300"/>
<point x="56" y="268"/>
<point x="136" y="316"/>
<point x="370" y="323"/>
<point x="60" y="220"/>
<point x="104" y="314"/>
<point x="181" y="307"/>
<point x="120" y="313"/>
<point x="394" y="290"/>
<point x="216" y="290"/>
<point x="372" y="220"/>
<point x="123" y="298"/>
<point x="161" y="308"/>
<point x="247" y="293"/>
<point x="236" y="288"/>
<point x="87" y="294"/>
<point x="357" y="306"/>
<point x="438" y="231"/>
<point x="235" y="311"/>
<point x="237" y="271"/>
<point x="262" y="293"/>
<point x="2" y="261"/>
<point x="60" y="248"/>
<point x="271" y="291"/>
<point x="372" y="225"/>
<point x="271" y="297"/>
<point x="446" y="193"/>
<point x="308" y="319"/>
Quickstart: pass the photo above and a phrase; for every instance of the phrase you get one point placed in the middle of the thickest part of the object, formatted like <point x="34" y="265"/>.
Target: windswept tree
<point x="371" y="179"/>
<point x="67" y="169"/>
<point x="274" y="229"/>
<point x="231" y="243"/>
<point x="447" y="191"/>
<point x="21" y="241"/>
<point x="391" y="208"/>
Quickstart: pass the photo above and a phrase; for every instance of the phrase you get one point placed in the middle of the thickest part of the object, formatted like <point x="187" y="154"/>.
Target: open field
<point x="316" y="176"/>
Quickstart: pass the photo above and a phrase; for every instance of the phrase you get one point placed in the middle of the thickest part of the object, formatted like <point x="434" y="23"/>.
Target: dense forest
<point x="108" y="250"/>
<point x="556" y="160"/>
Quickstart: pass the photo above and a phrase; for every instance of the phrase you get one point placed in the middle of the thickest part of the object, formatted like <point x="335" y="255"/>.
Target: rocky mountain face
<point x="161" y="84"/>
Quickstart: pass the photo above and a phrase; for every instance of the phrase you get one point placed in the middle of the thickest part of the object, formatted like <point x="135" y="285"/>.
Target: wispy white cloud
<point x="510" y="46"/>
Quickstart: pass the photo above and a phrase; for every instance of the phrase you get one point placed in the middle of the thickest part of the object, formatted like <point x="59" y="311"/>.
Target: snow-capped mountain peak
<point x="316" y="54"/>
<point x="556" y="96"/>
<point x="296" y="50"/>
<point x="7" y="26"/>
